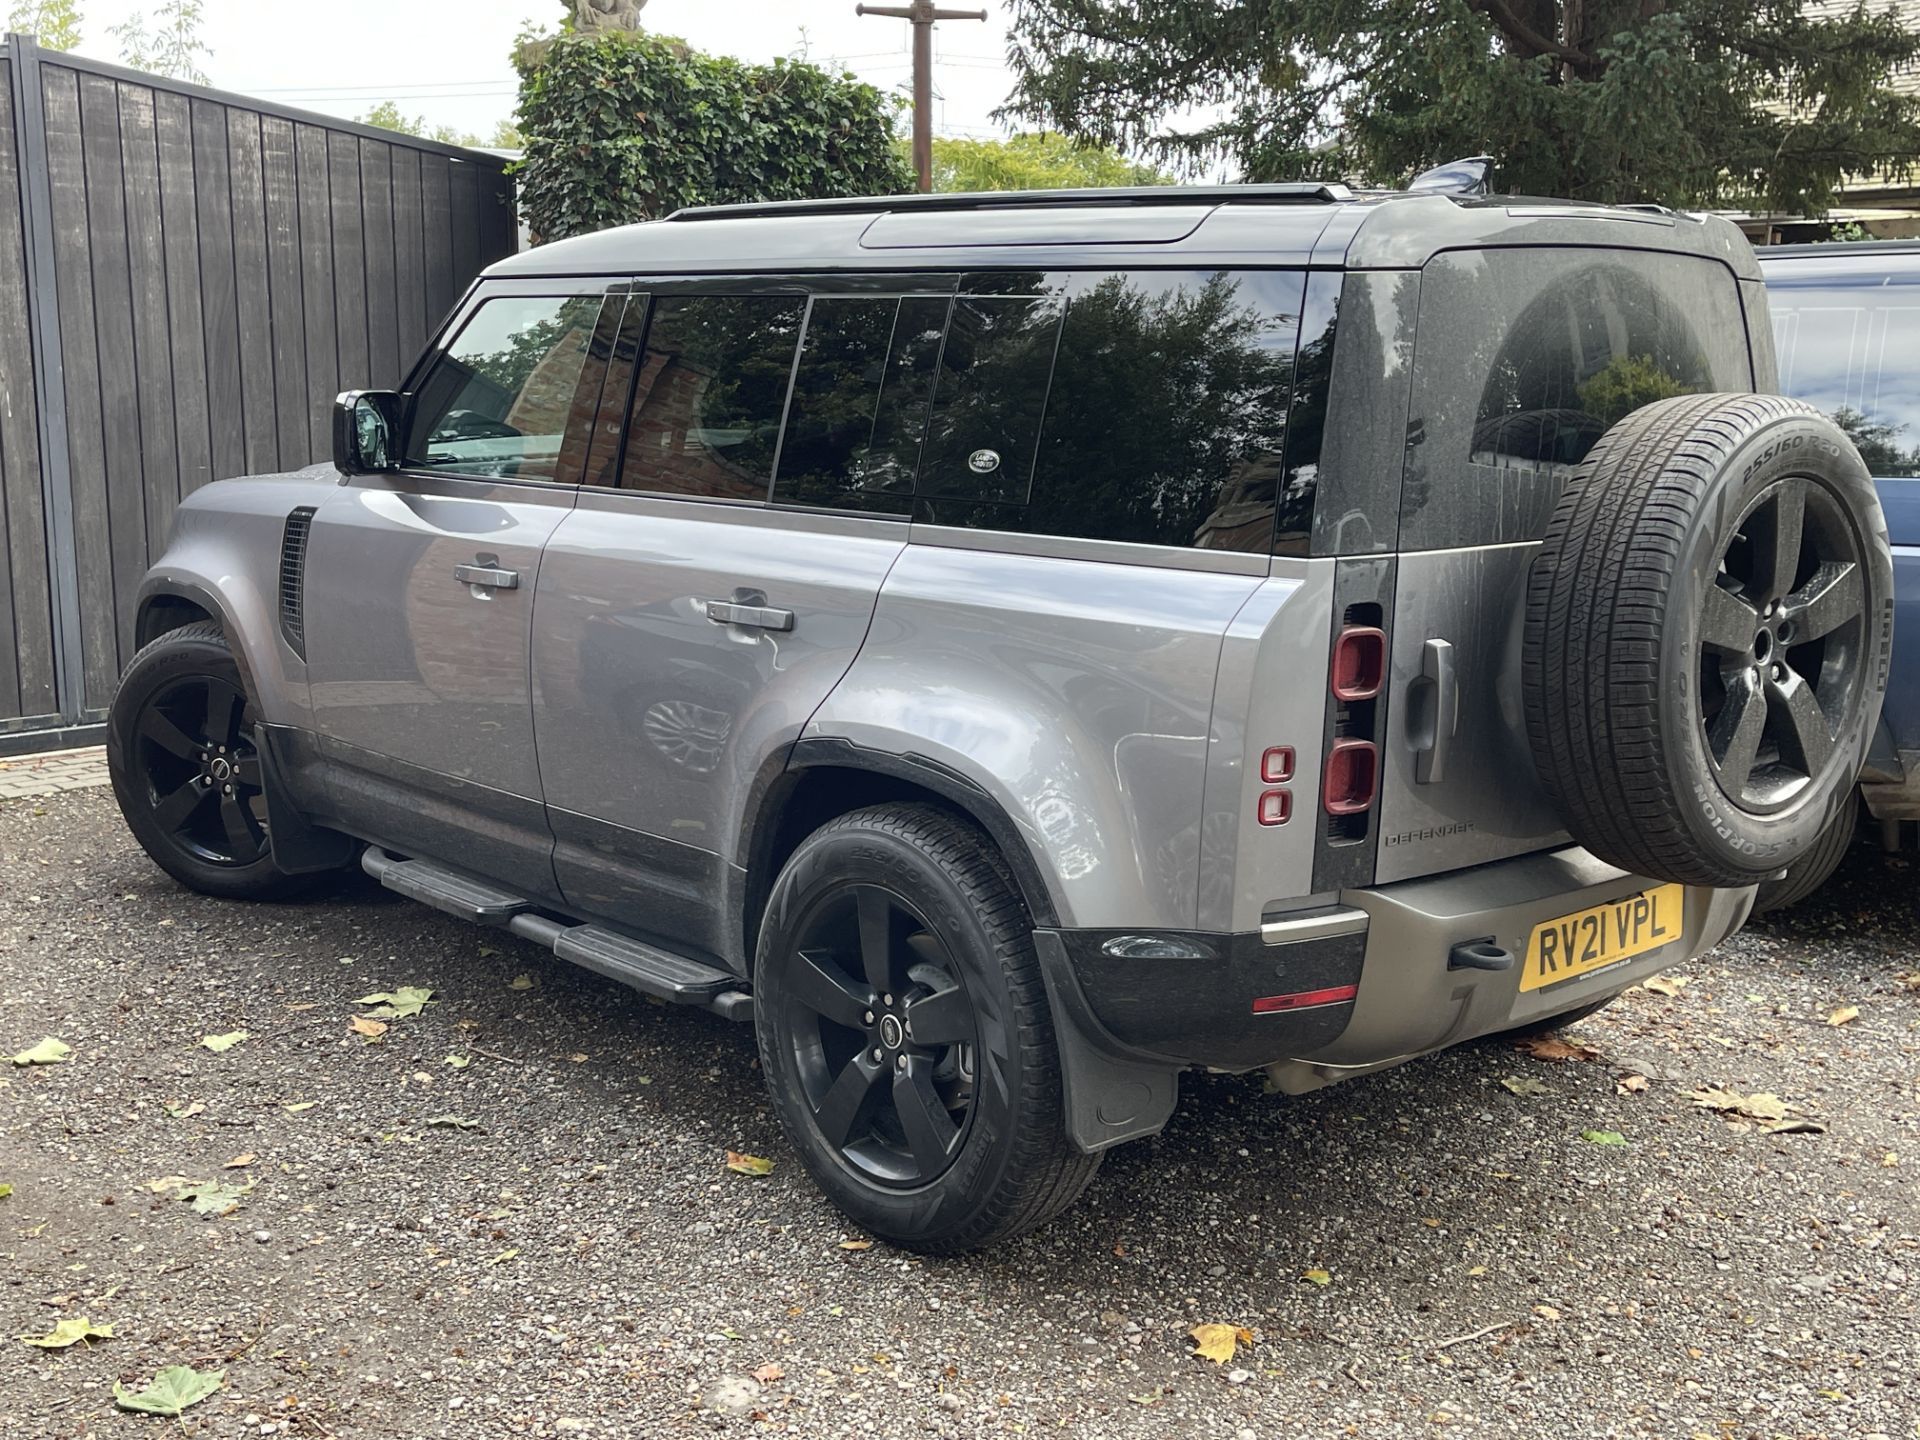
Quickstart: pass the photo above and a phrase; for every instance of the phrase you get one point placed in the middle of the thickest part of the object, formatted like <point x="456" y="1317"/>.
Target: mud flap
<point x="1111" y="1096"/>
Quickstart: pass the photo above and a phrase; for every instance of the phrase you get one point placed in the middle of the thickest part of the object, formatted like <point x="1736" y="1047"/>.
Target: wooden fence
<point x="187" y="278"/>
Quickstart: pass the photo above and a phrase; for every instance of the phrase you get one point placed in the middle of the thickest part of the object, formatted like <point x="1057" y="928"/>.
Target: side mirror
<point x="366" y="429"/>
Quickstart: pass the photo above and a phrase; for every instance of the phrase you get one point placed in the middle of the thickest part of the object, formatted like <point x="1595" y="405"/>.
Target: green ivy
<point x="631" y="126"/>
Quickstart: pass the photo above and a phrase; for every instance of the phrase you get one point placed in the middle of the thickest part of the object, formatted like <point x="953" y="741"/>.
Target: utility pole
<point x="921" y="14"/>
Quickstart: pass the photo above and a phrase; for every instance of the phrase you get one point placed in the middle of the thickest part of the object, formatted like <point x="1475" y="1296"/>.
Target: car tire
<point x="1707" y="638"/>
<point x="954" y="1137"/>
<point x="185" y="770"/>
<point x="1813" y="869"/>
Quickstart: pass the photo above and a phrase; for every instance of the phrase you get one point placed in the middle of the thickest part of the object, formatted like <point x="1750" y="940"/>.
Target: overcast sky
<point x="449" y="59"/>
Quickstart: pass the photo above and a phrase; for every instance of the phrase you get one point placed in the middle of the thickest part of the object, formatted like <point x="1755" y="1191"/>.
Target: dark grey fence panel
<point x="209" y="272"/>
<point x="26" y="603"/>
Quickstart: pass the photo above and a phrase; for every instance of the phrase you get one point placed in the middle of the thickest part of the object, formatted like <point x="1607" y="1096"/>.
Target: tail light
<point x="1359" y="662"/>
<point x="1352" y="778"/>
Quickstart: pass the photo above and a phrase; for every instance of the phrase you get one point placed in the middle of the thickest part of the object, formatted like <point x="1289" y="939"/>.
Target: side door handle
<point x="1433" y="712"/>
<point x="491" y="576"/>
<point x="760" y="617"/>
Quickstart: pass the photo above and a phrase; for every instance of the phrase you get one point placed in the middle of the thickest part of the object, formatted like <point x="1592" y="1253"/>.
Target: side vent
<point x="293" y="574"/>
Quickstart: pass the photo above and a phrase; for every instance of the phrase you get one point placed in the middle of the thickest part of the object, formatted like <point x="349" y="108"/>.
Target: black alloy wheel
<point x="1782" y="643"/>
<point x="905" y="1033"/>
<point x="193" y="747"/>
<point x="883" y="1035"/>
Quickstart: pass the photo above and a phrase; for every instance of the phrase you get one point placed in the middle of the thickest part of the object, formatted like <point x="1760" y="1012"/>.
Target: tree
<point x="1035" y="162"/>
<point x="1877" y="442"/>
<point x="1689" y="102"/>
<point x="172" y="47"/>
<point x="388" y="116"/>
<point x="55" y="24"/>
<point x="623" y="126"/>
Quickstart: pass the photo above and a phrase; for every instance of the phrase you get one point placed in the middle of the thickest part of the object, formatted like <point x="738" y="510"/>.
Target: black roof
<point x="1200" y="226"/>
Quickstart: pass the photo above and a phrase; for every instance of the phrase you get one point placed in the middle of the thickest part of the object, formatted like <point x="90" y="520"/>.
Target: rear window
<point x="1524" y="358"/>
<point x="1849" y="342"/>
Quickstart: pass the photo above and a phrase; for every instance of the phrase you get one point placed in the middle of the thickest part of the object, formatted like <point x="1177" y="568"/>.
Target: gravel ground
<point x="580" y="1261"/>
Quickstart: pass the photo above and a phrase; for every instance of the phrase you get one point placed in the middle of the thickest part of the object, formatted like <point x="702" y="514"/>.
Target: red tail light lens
<point x="1276" y="765"/>
<point x="1352" y="778"/>
<point x="1359" y="662"/>
<point x="1276" y="807"/>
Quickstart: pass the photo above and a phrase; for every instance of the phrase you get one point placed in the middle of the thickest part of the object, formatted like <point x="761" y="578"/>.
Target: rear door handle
<point x="762" y="617"/>
<point x="491" y="576"/>
<point x="1434" y="712"/>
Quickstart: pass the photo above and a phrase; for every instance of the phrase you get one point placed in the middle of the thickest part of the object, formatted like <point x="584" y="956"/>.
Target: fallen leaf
<point x="520" y="982"/>
<point x="69" y="1332"/>
<point x="458" y="1062"/>
<point x="856" y="1244"/>
<point x="5" y="1190"/>
<point x="166" y="1183"/>
<point x="401" y="1004"/>
<point x="577" y="1058"/>
<point x="1477" y="1270"/>
<point x="1546" y="1312"/>
<point x="1216" y="1342"/>
<point x="372" y="1029"/>
<point x="504" y="1255"/>
<point x="1524" y="1085"/>
<point x="172" y="1390"/>
<point x="1844" y="1014"/>
<point x="453" y="1122"/>
<point x="1908" y="982"/>
<point x="178" y="1111"/>
<point x="1890" y="1160"/>
<point x="1758" y="1106"/>
<point x="240" y="1162"/>
<point x="220" y="1044"/>
<point x="48" y="1052"/>
<point x="1665" y="984"/>
<point x="1603" y="1137"/>
<point x="298" y="1107"/>
<point x="1316" y="1277"/>
<point x="748" y="1164"/>
<point x="1630" y="1085"/>
<point x="768" y="1373"/>
<point x="1552" y="1047"/>
<point x="210" y="1197"/>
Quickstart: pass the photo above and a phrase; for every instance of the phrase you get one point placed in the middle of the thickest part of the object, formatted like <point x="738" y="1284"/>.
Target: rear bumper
<point x="1322" y="995"/>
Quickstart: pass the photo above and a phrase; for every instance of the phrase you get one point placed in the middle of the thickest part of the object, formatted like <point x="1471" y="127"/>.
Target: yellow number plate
<point x="1605" y="935"/>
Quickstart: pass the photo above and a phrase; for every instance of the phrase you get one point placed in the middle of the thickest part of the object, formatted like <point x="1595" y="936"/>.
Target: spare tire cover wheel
<point x="1708" y="630"/>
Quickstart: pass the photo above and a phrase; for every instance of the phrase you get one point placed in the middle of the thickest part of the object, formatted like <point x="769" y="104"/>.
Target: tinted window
<point x="989" y="396"/>
<point x="508" y="390"/>
<point x="1523" y="358"/>
<point x="860" y="400"/>
<point x="1850" y="343"/>
<point x="708" y="395"/>
<point x="603" y="444"/>
<point x="1164" y="411"/>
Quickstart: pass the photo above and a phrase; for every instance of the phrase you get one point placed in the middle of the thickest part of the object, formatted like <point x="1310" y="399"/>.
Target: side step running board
<point x="443" y="889"/>
<point x="647" y="968"/>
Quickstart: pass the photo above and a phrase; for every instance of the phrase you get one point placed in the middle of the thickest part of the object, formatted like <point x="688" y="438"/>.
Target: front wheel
<point x="905" y="1034"/>
<point x="185" y="771"/>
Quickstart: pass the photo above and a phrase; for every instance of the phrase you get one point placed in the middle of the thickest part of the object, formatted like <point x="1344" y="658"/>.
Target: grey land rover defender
<point x="1014" y="648"/>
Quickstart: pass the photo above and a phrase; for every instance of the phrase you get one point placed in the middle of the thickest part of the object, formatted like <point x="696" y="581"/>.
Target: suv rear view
<point x="1013" y="649"/>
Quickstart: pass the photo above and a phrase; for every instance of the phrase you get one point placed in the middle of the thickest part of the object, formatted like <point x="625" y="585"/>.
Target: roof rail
<point x="1291" y="193"/>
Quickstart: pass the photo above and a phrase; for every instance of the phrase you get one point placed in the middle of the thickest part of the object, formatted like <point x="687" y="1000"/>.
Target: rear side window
<point x="1850" y="343"/>
<point x="1145" y="406"/>
<point x="514" y="383"/>
<point x="1524" y="358"/>
<point x="860" y="399"/>
<point x="709" y="393"/>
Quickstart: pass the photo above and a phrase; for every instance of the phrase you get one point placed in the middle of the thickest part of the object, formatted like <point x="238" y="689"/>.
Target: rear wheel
<point x="905" y="1033"/>
<point x="185" y="771"/>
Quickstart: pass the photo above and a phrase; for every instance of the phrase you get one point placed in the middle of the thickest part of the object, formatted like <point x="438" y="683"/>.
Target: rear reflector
<point x="1352" y="777"/>
<point x="1359" y="662"/>
<point x="1276" y="807"/>
<point x="1305" y="999"/>
<point x="1276" y="765"/>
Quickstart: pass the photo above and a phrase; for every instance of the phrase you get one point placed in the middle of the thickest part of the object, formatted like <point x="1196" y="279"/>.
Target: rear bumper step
<point x="647" y="968"/>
